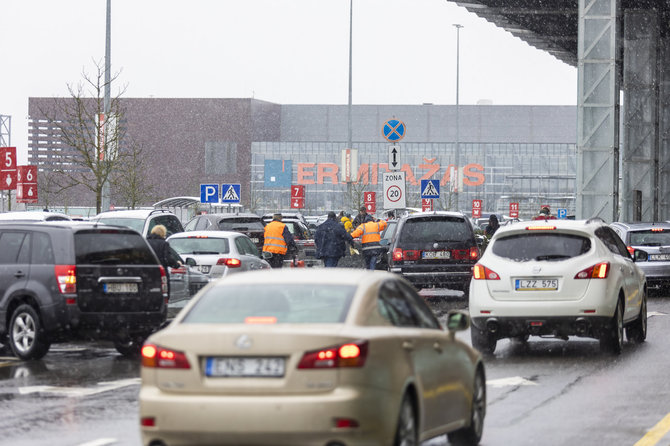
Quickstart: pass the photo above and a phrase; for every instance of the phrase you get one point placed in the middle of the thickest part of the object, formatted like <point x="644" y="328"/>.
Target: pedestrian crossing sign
<point x="430" y="188"/>
<point x="230" y="193"/>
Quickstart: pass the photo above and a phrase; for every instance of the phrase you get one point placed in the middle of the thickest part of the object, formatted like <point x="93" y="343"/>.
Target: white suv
<point x="558" y="278"/>
<point x="142" y="220"/>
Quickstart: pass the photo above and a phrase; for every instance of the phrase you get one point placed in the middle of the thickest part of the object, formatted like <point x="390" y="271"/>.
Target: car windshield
<point x="241" y="224"/>
<point x="541" y="246"/>
<point x="112" y="247"/>
<point x="132" y="223"/>
<point x="273" y="303"/>
<point x="650" y="237"/>
<point x="200" y="245"/>
<point x="434" y="229"/>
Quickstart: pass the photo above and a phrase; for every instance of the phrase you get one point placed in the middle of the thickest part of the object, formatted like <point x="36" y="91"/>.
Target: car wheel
<point x="26" y="334"/>
<point x="637" y="331"/>
<point x="129" y="347"/>
<point x="483" y="341"/>
<point x="611" y="340"/>
<point x="406" y="432"/>
<point x="471" y="435"/>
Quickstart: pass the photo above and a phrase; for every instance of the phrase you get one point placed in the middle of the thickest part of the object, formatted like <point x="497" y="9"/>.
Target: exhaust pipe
<point x="492" y="325"/>
<point x="581" y="326"/>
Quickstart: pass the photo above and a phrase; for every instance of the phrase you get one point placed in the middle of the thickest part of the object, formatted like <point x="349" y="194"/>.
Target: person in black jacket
<point x="166" y="255"/>
<point x="362" y="217"/>
<point x="330" y="240"/>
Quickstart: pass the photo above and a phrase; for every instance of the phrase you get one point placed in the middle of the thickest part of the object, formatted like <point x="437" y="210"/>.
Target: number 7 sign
<point x="7" y="168"/>
<point x="297" y="191"/>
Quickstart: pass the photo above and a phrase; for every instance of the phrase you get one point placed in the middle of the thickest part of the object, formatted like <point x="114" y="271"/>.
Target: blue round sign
<point x="393" y="130"/>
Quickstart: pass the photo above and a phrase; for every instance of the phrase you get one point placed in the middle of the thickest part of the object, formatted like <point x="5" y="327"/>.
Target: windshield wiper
<point x="204" y="252"/>
<point x="552" y="257"/>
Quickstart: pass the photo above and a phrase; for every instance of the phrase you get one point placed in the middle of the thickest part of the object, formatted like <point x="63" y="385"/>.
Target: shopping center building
<point x="523" y="154"/>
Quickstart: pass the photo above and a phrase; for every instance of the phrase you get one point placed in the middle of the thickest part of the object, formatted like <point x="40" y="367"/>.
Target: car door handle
<point x="437" y="346"/>
<point x="408" y="345"/>
<point x="19" y="274"/>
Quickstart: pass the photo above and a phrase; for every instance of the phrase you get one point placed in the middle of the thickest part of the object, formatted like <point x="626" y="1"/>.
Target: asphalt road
<point x="546" y="391"/>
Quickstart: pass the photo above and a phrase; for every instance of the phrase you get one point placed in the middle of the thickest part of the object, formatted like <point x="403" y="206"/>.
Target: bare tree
<point x="128" y="181"/>
<point x="91" y="142"/>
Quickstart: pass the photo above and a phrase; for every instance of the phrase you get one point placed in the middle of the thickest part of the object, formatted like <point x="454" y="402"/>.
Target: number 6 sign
<point x="7" y="168"/>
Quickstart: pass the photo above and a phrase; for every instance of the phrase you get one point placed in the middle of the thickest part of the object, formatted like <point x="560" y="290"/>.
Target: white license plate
<point x="536" y="284"/>
<point x="203" y="269"/>
<point x="245" y="367"/>
<point x="119" y="287"/>
<point x="436" y="255"/>
<point x="659" y="257"/>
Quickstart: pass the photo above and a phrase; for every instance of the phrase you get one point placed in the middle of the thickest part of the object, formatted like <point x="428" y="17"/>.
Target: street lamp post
<point x="457" y="156"/>
<point x="349" y="136"/>
<point x="106" y="199"/>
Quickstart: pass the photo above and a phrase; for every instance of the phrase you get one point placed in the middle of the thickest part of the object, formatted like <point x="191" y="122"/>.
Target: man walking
<point x="330" y="240"/>
<point x="277" y="241"/>
<point x="371" y="235"/>
<point x="362" y="217"/>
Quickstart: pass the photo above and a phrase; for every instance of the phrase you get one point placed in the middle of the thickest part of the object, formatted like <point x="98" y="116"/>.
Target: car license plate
<point x="204" y="269"/>
<point x="119" y="287"/>
<point x="427" y="255"/>
<point x="658" y="257"/>
<point x="245" y="367"/>
<point x="536" y="284"/>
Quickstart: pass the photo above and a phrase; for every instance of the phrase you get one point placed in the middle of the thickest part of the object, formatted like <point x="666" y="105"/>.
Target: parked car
<point x="65" y="280"/>
<point x="248" y="224"/>
<point x="33" y="216"/>
<point x="434" y="249"/>
<point x="654" y="239"/>
<point x="303" y="237"/>
<point x="141" y="220"/>
<point x="218" y="253"/>
<point x="185" y="282"/>
<point x="287" y="216"/>
<point x="310" y="355"/>
<point x="558" y="278"/>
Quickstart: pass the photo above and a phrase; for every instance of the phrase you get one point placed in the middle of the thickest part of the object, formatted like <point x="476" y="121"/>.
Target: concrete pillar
<point x="664" y="130"/>
<point x="639" y="148"/>
<point x="598" y="110"/>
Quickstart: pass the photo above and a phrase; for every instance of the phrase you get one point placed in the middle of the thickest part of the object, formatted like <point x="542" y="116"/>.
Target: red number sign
<point x="297" y="191"/>
<point x="297" y="203"/>
<point x="426" y="204"/>
<point x="476" y="208"/>
<point x="26" y="191"/>
<point x="7" y="168"/>
<point x="514" y="210"/>
<point x="370" y="202"/>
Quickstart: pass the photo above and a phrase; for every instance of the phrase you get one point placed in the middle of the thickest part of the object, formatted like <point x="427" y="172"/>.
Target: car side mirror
<point x="458" y="320"/>
<point x="640" y="255"/>
<point x="190" y="261"/>
<point x="384" y="242"/>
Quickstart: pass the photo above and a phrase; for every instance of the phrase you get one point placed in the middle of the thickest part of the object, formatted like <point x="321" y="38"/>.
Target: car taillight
<point x="474" y="253"/>
<point x="408" y="254"/>
<point x="351" y="354"/>
<point x="66" y="276"/>
<point x="540" y="228"/>
<point x="631" y="250"/>
<point x="158" y="357"/>
<point x="598" y="271"/>
<point x="480" y="272"/>
<point x="230" y="263"/>
<point x="397" y="254"/>
<point x="164" y="282"/>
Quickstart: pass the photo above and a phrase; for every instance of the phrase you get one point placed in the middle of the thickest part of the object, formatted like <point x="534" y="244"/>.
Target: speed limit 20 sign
<point x="394" y="190"/>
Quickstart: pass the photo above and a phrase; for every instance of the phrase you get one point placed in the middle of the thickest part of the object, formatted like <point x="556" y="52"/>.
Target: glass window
<point x="171" y="223"/>
<point x="423" y="313"/>
<point x="541" y="246"/>
<point x="394" y="305"/>
<point x="241" y="224"/>
<point x="282" y="303"/>
<point x="434" y="229"/>
<point x="10" y="246"/>
<point x="648" y="237"/>
<point x="42" y="252"/>
<point x="200" y="245"/>
<point x="112" y="247"/>
<point x="612" y="241"/>
<point x="132" y="223"/>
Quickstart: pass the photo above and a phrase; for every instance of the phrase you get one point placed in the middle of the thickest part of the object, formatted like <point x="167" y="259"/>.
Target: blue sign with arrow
<point x="393" y="130"/>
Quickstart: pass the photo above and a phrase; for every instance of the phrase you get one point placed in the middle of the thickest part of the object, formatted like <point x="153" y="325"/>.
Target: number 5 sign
<point x="476" y="208"/>
<point x="7" y="168"/>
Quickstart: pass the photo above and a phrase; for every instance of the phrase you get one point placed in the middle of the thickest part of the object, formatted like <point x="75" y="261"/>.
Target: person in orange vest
<point x="277" y="241"/>
<point x="370" y="234"/>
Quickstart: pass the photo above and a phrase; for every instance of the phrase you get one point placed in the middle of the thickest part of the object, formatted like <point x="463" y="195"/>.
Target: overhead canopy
<point x="550" y="25"/>
<point x="177" y="202"/>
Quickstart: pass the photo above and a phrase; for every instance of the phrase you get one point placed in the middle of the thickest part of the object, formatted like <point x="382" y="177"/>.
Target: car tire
<point x="637" y="331"/>
<point x="130" y="347"/>
<point x="611" y="339"/>
<point x="406" y="433"/>
<point x="483" y="341"/>
<point x="26" y="334"/>
<point x="472" y="434"/>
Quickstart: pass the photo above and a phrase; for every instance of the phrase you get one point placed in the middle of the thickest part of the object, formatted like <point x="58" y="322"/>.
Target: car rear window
<point x="650" y="238"/>
<point x="200" y="245"/>
<point x="273" y="303"/>
<point x="241" y="224"/>
<point x="132" y="223"/>
<point x="541" y="246"/>
<point x="112" y="247"/>
<point x="434" y="229"/>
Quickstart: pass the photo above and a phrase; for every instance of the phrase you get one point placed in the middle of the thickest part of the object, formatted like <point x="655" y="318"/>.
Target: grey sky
<point x="284" y="51"/>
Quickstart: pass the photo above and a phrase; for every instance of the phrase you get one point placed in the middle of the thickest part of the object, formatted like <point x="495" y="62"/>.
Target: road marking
<point x="100" y="442"/>
<point x="656" y="433"/>
<point x="655" y="313"/>
<point x="512" y="381"/>
<point x="80" y="391"/>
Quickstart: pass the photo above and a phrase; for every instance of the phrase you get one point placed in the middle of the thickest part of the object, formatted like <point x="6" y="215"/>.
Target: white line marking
<point x="80" y="391"/>
<point x="101" y="442"/>
<point x="512" y="381"/>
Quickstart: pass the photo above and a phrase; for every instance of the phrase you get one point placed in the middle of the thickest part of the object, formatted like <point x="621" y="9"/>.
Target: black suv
<point x="248" y="224"/>
<point x="434" y="249"/>
<point x="74" y="280"/>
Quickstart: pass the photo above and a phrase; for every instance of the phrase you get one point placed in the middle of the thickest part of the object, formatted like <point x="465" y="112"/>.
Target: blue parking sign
<point x="209" y="193"/>
<point x="562" y="213"/>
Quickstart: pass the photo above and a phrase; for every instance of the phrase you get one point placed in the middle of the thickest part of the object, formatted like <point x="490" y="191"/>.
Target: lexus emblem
<point x="243" y="342"/>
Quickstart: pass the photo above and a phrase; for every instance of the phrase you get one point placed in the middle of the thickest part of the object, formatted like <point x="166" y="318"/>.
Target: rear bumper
<point x="457" y="276"/>
<point x="508" y="327"/>
<point x="184" y="419"/>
